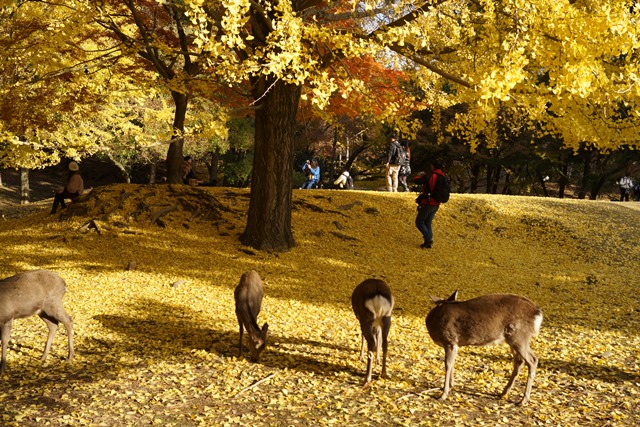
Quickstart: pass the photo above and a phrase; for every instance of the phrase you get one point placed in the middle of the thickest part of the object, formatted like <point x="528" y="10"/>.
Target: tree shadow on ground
<point x="169" y="331"/>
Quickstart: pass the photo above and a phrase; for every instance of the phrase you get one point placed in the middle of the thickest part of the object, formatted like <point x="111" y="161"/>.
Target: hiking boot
<point x="426" y="245"/>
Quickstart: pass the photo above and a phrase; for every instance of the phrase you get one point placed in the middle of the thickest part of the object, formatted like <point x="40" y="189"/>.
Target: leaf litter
<point x="149" y="353"/>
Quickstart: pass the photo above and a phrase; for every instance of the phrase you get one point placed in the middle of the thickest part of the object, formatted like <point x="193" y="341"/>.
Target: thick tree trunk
<point x="269" y="217"/>
<point x="24" y="186"/>
<point x="174" y="155"/>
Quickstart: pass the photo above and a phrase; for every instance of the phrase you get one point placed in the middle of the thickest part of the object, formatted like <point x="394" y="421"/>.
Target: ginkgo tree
<point x="565" y="68"/>
<point x="562" y="67"/>
<point x="66" y="90"/>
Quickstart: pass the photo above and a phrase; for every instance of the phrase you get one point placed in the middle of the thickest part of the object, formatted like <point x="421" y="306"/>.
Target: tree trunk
<point x="269" y="216"/>
<point x="506" y="188"/>
<point x="564" y="178"/>
<point x="153" y="167"/>
<point x="334" y="152"/>
<point x="543" y="184"/>
<point x="595" y="190"/>
<point x="174" y="155"/>
<point x="213" y="167"/>
<point x="475" y="177"/>
<point x="586" y="174"/>
<point x="123" y="170"/>
<point x="24" y="186"/>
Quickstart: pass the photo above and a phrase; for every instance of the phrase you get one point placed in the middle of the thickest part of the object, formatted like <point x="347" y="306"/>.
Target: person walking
<point x="394" y="160"/>
<point x="427" y="204"/>
<point x="72" y="189"/>
<point x="626" y="184"/>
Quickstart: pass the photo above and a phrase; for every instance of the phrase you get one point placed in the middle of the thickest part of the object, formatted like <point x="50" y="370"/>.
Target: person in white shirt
<point x="626" y="184"/>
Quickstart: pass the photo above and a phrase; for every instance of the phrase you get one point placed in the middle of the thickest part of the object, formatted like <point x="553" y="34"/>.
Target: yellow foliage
<point x="157" y="345"/>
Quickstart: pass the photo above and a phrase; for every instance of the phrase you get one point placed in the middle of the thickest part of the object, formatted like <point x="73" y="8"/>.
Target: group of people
<point x="311" y="169"/>
<point x="398" y="168"/>
<point x="629" y="189"/>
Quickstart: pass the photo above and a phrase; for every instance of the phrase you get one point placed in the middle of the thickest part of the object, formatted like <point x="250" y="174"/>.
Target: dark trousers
<point x="624" y="194"/>
<point x="424" y="219"/>
<point x="59" y="199"/>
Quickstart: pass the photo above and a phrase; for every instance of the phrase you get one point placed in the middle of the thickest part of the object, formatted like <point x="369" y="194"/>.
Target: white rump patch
<point x="379" y="306"/>
<point x="537" y="322"/>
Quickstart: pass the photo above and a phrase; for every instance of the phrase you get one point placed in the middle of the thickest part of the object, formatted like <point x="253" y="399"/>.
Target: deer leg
<point x="52" y="324"/>
<point x="450" y="353"/>
<point x="5" y="333"/>
<point x="384" y="333"/>
<point x="367" y="330"/>
<point x="362" y="347"/>
<point x="68" y="325"/>
<point x="532" y="363"/>
<point x="379" y="340"/>
<point x="517" y="366"/>
<point x="56" y="315"/>
<point x="240" y="342"/>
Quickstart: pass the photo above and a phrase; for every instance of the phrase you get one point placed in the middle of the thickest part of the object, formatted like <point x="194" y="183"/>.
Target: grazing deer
<point x="486" y="320"/>
<point x="372" y="304"/>
<point x="33" y="292"/>
<point x="248" y="295"/>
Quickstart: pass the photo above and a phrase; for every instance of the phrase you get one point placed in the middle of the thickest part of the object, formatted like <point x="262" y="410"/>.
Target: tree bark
<point x="586" y="174"/>
<point x="542" y="183"/>
<point x="213" y="166"/>
<point x="269" y="216"/>
<point x="475" y="177"/>
<point x="153" y="167"/>
<point x="24" y="186"/>
<point x="334" y="152"/>
<point x="174" y="155"/>
<point x="564" y="179"/>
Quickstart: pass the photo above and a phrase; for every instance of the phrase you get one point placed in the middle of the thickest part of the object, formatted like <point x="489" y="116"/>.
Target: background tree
<point x="493" y="53"/>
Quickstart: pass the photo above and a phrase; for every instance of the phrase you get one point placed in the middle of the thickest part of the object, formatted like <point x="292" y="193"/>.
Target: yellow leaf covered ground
<point x="157" y="345"/>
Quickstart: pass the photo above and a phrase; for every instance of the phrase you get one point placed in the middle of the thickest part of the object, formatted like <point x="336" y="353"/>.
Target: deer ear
<point x="453" y="297"/>
<point x="265" y="329"/>
<point x="436" y="300"/>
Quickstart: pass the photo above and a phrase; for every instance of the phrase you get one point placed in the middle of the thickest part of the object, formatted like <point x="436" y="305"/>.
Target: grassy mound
<point x="157" y="344"/>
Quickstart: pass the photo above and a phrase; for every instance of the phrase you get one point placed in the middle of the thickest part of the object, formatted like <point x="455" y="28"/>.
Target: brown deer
<point x="248" y="295"/>
<point x="372" y="304"/>
<point x="486" y="320"/>
<point x="33" y="292"/>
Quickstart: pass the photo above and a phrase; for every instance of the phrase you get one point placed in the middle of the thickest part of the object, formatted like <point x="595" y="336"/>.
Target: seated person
<point x="343" y="181"/>
<point x="187" y="174"/>
<point x="312" y="169"/>
<point x="72" y="189"/>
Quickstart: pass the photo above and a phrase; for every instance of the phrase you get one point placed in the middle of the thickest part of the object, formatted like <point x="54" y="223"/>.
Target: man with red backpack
<point x="436" y="189"/>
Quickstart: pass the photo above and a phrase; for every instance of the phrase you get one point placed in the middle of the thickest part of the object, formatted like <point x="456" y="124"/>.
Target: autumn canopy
<point x="79" y="75"/>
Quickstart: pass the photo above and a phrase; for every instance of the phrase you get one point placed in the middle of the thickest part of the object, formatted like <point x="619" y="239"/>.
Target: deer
<point x="372" y="304"/>
<point x="482" y="321"/>
<point x="33" y="292"/>
<point x="248" y="296"/>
